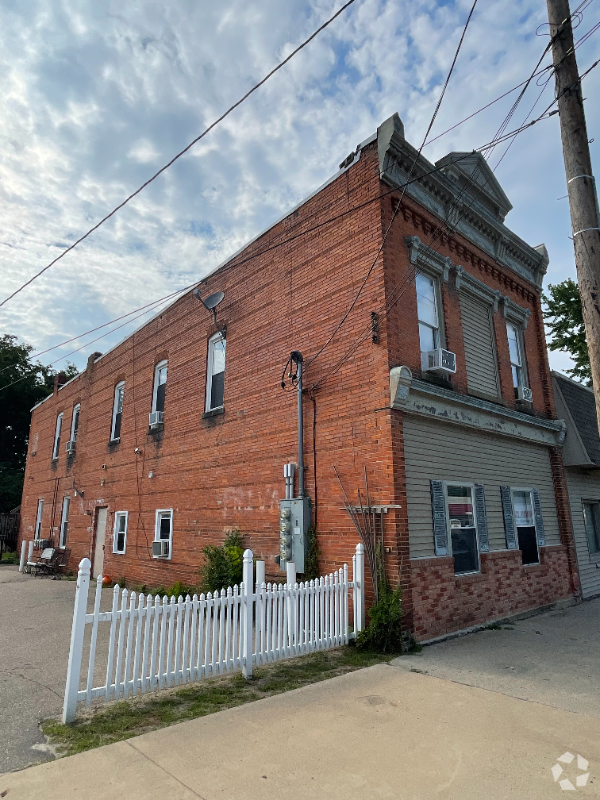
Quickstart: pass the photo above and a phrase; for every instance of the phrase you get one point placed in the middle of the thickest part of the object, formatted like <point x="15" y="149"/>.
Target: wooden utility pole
<point x="583" y="202"/>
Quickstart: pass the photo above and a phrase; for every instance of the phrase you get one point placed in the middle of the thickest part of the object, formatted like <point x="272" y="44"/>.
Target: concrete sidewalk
<point x="382" y="732"/>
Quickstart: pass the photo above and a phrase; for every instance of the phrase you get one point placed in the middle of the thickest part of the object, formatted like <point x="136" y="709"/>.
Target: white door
<point x="100" y="537"/>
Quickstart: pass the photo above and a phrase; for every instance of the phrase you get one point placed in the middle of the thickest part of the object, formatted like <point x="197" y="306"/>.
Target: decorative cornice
<point x="438" y="193"/>
<point x="515" y="313"/>
<point x="434" y="402"/>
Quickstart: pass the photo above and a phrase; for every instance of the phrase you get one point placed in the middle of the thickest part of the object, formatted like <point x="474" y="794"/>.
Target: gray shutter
<point x="509" y="518"/>
<point x="440" y="528"/>
<point x="480" y="513"/>
<point x="478" y="339"/>
<point x="539" y="522"/>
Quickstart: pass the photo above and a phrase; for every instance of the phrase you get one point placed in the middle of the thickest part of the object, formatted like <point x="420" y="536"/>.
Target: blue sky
<point x="97" y="96"/>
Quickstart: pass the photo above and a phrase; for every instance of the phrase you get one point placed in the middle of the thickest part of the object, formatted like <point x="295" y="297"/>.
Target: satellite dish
<point x="214" y="300"/>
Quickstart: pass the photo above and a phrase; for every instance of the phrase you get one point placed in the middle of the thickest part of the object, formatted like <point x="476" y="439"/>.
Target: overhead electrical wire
<point x="185" y="149"/>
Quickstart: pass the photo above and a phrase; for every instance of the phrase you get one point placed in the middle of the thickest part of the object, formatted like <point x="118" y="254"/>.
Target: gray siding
<point x="480" y="351"/>
<point x="451" y="453"/>
<point x="584" y="485"/>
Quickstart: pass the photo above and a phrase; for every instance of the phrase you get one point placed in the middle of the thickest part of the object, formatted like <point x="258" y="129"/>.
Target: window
<point x="64" y="522"/>
<point x="591" y="517"/>
<point x="160" y="386"/>
<point x="75" y="422"/>
<point x="57" y="430"/>
<point x="38" y="520"/>
<point x="120" y="533"/>
<point x="523" y="511"/>
<point x="163" y="531"/>
<point x="215" y="372"/>
<point x="115" y="430"/>
<point x="515" y="349"/>
<point x="427" y="309"/>
<point x="463" y="528"/>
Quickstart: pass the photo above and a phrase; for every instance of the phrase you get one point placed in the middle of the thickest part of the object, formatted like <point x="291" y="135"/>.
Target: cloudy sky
<point x="98" y="95"/>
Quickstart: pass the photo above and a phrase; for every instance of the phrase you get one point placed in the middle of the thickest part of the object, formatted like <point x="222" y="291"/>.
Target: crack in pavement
<point x="31" y="680"/>
<point x="166" y="771"/>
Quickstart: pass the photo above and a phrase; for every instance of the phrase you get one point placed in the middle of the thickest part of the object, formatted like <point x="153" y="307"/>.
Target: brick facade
<point x="287" y="290"/>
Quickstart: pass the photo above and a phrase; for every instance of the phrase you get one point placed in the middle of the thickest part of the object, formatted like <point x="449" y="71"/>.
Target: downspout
<point x="296" y="357"/>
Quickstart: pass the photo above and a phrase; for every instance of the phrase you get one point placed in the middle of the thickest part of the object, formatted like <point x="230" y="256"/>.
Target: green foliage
<point x="564" y="318"/>
<point x="383" y="634"/>
<point x="311" y="563"/>
<point x="23" y="383"/>
<point x="10" y="558"/>
<point x="223" y="565"/>
<point x="121" y="582"/>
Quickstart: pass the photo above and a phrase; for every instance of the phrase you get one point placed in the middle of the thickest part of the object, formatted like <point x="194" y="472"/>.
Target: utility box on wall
<point x="294" y="518"/>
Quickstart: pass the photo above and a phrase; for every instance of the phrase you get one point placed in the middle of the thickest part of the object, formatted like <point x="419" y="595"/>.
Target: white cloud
<point x="96" y="96"/>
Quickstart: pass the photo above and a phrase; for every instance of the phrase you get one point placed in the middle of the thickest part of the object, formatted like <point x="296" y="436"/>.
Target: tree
<point x="23" y="383"/>
<point x="564" y="318"/>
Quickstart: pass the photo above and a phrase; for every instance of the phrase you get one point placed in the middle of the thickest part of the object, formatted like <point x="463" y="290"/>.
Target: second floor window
<point x="427" y="308"/>
<point x="115" y="430"/>
<point x="516" y="355"/>
<point x="75" y="422"/>
<point x="160" y="386"/>
<point x="215" y="372"/>
<point x="57" y="430"/>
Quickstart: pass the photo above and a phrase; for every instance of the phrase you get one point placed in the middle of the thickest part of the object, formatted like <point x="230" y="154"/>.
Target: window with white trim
<point x="163" y="530"/>
<point x="64" y="522"/>
<point x="57" y="430"/>
<point x="523" y="510"/>
<point x="38" y="520"/>
<point x="120" y="532"/>
<point x="515" y="348"/>
<point x="75" y="422"/>
<point x="462" y="524"/>
<point x="215" y="372"/>
<point x="160" y="386"/>
<point x="115" y="428"/>
<point x="591" y="517"/>
<point x="428" y="312"/>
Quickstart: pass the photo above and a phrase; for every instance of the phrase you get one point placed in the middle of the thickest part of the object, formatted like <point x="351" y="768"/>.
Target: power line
<point x="185" y="149"/>
<point x="389" y="227"/>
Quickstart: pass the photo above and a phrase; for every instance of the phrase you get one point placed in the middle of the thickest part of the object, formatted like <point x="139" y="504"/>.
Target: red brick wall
<point x="443" y="602"/>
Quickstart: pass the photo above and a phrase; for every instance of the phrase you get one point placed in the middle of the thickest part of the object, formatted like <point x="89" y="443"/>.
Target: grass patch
<point x="10" y="558"/>
<point x="127" y="718"/>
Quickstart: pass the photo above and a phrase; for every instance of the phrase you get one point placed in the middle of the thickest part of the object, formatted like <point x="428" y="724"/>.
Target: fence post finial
<point x="247" y="609"/>
<point x="77" y="635"/>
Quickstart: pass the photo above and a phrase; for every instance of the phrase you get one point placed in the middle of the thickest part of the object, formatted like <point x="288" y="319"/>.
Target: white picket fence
<point x="156" y="643"/>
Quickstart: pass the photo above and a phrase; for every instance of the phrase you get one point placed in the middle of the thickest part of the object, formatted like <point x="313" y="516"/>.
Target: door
<point x="99" y="546"/>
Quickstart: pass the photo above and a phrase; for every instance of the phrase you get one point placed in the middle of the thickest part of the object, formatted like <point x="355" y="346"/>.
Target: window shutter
<point x="482" y="528"/>
<point x="509" y="518"/>
<point x="539" y="522"/>
<point x="440" y="528"/>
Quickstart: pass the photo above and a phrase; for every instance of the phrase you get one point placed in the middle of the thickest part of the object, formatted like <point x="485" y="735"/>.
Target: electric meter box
<point x="294" y="522"/>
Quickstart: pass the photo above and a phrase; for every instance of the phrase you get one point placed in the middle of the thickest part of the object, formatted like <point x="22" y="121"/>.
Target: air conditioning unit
<point x="525" y="394"/>
<point x="438" y="361"/>
<point x="160" y="549"/>
<point x="156" y="419"/>
<point x="71" y="446"/>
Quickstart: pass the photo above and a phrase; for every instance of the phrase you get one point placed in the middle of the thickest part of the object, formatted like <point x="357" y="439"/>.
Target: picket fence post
<point x="77" y="635"/>
<point x="247" y="609"/>
<point x="23" y="552"/>
<point x="260" y="574"/>
<point x="359" y="587"/>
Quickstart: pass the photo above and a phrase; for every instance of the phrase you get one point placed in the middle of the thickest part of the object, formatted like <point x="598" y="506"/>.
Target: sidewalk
<point x="382" y="732"/>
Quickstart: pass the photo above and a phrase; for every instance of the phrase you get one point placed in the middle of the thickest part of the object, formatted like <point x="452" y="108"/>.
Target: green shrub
<point x="223" y="565"/>
<point x="383" y="634"/>
<point x="122" y="582"/>
<point x="311" y="563"/>
<point x="10" y="558"/>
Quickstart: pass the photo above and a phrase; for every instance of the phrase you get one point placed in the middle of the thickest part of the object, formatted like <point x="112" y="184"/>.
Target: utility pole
<point x="583" y="202"/>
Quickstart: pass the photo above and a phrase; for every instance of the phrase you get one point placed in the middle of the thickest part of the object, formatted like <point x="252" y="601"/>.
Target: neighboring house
<point x="437" y="383"/>
<point x="581" y="455"/>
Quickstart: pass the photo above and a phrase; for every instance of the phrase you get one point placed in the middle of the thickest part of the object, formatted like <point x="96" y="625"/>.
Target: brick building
<point x="465" y="466"/>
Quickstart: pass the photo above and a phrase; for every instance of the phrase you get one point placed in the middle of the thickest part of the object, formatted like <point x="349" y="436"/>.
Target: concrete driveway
<point x="35" y="630"/>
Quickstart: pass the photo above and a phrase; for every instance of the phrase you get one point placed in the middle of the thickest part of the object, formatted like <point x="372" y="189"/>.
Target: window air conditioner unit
<point x="525" y="394"/>
<point x="160" y="549"/>
<point x="438" y="361"/>
<point x="156" y="418"/>
<point x="71" y="447"/>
